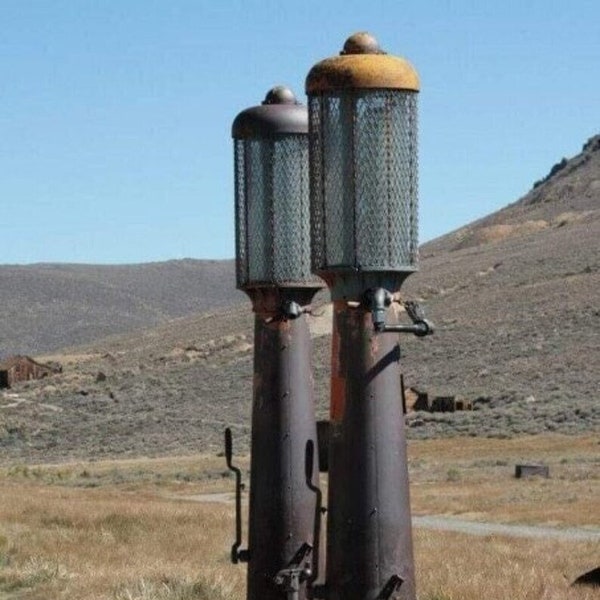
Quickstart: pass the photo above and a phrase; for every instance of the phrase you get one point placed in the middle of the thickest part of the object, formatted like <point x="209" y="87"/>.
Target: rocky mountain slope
<point x="514" y="297"/>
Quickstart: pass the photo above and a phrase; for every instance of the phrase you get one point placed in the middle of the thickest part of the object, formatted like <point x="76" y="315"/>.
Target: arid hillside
<point x="514" y="297"/>
<point x="48" y="306"/>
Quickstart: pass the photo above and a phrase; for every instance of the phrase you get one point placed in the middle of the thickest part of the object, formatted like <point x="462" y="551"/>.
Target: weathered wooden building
<point x="23" y="368"/>
<point x="415" y="400"/>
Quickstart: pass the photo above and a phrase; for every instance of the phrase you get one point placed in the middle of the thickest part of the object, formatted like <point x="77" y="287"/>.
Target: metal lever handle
<point x="419" y="328"/>
<point x="309" y="467"/>
<point x="393" y="584"/>
<point x="379" y="299"/>
<point x="291" y="577"/>
<point x="237" y="555"/>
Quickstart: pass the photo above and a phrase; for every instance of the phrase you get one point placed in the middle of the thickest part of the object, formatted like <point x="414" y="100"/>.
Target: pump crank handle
<point x="237" y="555"/>
<point x="309" y="467"/>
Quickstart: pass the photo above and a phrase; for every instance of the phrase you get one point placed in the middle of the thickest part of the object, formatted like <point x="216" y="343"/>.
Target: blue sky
<point x="115" y="115"/>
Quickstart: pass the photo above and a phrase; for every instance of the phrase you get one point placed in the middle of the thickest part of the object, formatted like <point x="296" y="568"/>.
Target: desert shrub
<point x="57" y="521"/>
<point x="123" y="527"/>
<point x="453" y="475"/>
<point x="5" y="551"/>
<point x="35" y="572"/>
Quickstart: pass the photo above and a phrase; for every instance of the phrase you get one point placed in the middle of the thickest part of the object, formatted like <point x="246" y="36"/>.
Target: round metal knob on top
<point x="361" y="43"/>
<point x="280" y="94"/>
<point x="279" y="114"/>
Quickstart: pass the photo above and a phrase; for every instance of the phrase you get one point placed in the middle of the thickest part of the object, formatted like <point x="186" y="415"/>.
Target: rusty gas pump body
<point x="273" y="268"/>
<point x="363" y="169"/>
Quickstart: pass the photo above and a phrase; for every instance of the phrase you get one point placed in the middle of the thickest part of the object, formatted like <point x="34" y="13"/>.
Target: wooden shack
<point x="443" y="404"/>
<point x="450" y="404"/>
<point x="23" y="368"/>
<point x="417" y="399"/>
<point x="420" y="400"/>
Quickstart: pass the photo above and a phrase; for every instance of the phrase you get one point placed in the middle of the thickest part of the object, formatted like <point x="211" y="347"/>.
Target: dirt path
<point x="442" y="523"/>
<point x="571" y="534"/>
<point x="219" y="497"/>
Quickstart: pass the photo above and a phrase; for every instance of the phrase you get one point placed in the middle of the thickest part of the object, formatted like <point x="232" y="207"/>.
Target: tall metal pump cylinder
<point x="273" y="268"/>
<point x="363" y="171"/>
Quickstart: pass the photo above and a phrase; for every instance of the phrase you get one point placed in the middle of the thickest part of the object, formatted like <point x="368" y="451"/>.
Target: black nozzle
<point x="378" y="299"/>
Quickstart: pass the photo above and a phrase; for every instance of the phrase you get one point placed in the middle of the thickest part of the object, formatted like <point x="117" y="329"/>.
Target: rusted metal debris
<point x="591" y="578"/>
<point x="525" y="471"/>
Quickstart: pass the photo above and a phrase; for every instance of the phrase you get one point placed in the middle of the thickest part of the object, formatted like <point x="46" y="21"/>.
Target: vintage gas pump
<point x="363" y="178"/>
<point x="273" y="268"/>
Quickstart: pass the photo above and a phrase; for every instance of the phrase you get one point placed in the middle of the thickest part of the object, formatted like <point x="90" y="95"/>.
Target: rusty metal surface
<point x="369" y="548"/>
<point x="269" y="301"/>
<point x="362" y="65"/>
<point x="282" y="505"/>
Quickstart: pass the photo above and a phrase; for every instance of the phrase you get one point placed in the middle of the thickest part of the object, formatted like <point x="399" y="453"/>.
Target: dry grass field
<point x="473" y="478"/>
<point x="130" y="530"/>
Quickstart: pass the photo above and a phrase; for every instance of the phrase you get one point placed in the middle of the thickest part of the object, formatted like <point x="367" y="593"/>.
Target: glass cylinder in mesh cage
<point x="363" y="161"/>
<point x="272" y="194"/>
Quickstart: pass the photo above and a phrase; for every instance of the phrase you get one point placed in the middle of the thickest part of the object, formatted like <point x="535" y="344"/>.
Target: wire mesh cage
<point x="272" y="211"/>
<point x="272" y="205"/>
<point x="364" y="180"/>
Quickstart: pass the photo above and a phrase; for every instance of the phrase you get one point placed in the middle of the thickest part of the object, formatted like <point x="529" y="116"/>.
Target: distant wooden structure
<point x="23" y="368"/>
<point x="414" y="399"/>
<point x="450" y="404"/>
<point x="525" y="471"/>
<point x="463" y="404"/>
